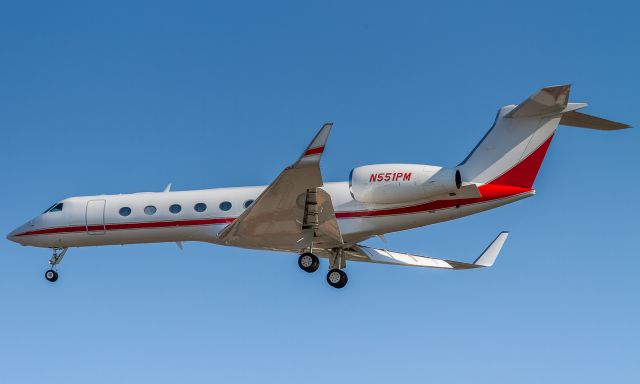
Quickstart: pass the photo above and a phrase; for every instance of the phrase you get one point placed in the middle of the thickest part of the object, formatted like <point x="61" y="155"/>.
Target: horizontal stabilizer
<point x="547" y="101"/>
<point x="582" y="120"/>
<point x="383" y="256"/>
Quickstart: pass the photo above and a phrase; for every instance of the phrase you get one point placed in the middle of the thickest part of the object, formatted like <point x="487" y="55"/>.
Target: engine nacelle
<point x="401" y="183"/>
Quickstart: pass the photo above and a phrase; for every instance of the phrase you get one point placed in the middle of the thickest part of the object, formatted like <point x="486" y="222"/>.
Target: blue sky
<point x="123" y="97"/>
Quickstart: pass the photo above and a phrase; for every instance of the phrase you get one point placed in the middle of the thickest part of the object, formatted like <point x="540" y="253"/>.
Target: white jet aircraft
<point x="301" y="213"/>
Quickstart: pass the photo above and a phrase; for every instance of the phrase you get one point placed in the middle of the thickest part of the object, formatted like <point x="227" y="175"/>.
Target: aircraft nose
<point x="17" y="234"/>
<point x="13" y="235"/>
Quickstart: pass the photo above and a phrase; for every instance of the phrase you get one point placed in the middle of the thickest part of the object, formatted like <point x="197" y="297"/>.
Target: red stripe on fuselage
<point x="121" y="226"/>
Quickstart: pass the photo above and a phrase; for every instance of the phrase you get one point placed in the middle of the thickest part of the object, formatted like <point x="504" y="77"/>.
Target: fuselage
<point x="200" y="215"/>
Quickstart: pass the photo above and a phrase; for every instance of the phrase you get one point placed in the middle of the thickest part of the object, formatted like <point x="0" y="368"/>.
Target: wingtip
<point x="314" y="150"/>
<point x="489" y="256"/>
<point x="326" y="127"/>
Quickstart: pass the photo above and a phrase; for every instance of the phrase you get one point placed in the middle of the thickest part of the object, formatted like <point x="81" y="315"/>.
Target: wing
<point x="294" y="212"/>
<point x="375" y="255"/>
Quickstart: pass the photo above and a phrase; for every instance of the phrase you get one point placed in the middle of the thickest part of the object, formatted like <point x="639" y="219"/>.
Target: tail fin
<point x="512" y="152"/>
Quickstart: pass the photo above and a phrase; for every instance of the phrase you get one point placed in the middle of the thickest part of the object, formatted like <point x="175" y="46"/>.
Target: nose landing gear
<point x="51" y="275"/>
<point x="58" y="254"/>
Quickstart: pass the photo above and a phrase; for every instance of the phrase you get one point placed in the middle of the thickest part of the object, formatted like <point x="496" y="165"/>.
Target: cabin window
<point x="200" y="207"/>
<point x="247" y="203"/>
<point x="125" y="211"/>
<point x="150" y="209"/>
<point x="175" y="208"/>
<point x="57" y="207"/>
<point x="225" y="206"/>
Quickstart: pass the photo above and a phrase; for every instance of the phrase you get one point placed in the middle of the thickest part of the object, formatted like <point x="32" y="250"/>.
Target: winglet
<point x="314" y="150"/>
<point x="490" y="254"/>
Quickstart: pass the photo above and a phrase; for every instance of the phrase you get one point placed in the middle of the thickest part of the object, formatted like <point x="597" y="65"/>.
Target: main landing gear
<point x="336" y="277"/>
<point x="58" y="254"/>
<point x="308" y="262"/>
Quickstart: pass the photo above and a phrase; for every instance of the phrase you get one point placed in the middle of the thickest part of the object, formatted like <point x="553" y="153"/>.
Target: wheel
<point x="337" y="278"/>
<point x="308" y="262"/>
<point x="51" y="275"/>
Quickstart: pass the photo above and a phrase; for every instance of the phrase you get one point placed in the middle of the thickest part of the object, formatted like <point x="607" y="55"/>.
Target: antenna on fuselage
<point x="167" y="188"/>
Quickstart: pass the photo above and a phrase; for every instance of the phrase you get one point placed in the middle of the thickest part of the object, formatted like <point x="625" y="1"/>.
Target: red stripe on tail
<point x="524" y="173"/>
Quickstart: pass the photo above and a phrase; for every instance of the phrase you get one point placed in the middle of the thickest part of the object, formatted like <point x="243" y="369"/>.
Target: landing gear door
<point x="95" y="217"/>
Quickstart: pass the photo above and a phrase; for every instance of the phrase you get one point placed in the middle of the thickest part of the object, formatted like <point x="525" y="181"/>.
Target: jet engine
<point x="401" y="183"/>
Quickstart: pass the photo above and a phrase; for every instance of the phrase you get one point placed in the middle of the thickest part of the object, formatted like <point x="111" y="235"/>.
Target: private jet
<point x="300" y="213"/>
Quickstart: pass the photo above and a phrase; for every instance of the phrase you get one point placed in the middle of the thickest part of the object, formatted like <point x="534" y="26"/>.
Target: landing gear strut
<point x="336" y="277"/>
<point x="58" y="254"/>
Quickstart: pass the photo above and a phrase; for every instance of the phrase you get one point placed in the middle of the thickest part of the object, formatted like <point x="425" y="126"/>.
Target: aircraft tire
<point x="337" y="278"/>
<point x="51" y="275"/>
<point x="308" y="262"/>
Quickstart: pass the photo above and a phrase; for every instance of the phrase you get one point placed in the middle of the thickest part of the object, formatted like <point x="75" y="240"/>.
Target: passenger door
<point x="95" y="217"/>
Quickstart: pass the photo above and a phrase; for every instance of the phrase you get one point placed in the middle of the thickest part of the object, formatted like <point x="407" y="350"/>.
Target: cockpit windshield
<point x="57" y="207"/>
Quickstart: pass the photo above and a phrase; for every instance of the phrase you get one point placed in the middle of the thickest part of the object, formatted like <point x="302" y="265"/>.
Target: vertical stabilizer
<point x="511" y="153"/>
